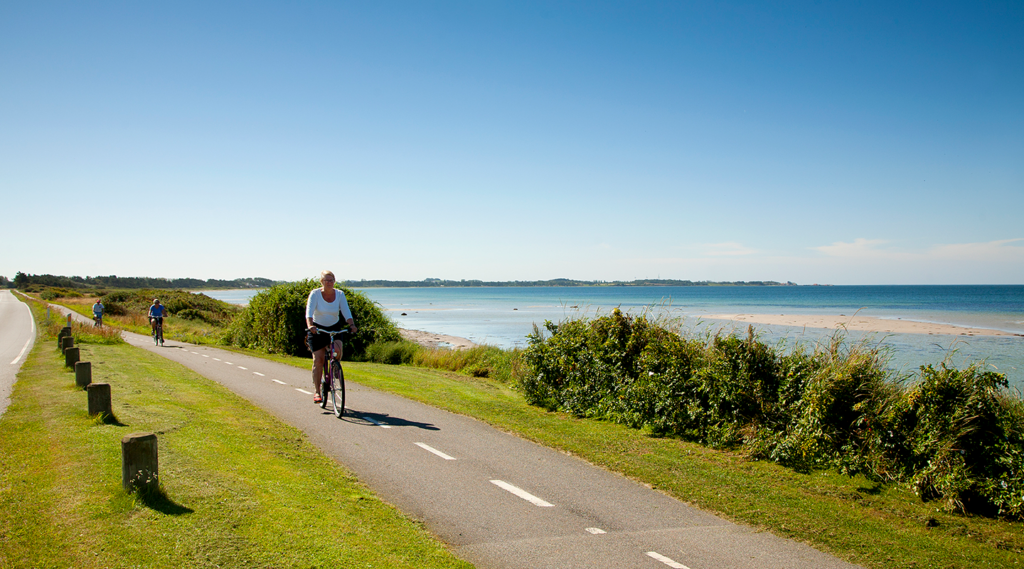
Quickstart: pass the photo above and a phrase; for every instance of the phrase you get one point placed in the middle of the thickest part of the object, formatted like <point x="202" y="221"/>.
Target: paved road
<point x="499" y="501"/>
<point x="17" y="334"/>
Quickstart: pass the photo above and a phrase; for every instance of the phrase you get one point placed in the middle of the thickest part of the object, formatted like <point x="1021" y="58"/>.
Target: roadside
<point x="241" y="488"/>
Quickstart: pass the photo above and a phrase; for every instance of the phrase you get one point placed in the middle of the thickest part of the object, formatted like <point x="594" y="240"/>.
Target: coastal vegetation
<point x="192" y="317"/>
<point x="954" y="436"/>
<point x="274" y="322"/>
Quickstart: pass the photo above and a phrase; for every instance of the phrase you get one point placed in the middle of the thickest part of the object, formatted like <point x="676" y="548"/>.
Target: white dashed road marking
<point x="522" y="494"/>
<point x="278" y="381"/>
<point x="218" y="359"/>
<point x="240" y="367"/>
<point x="428" y="448"/>
<point x="205" y="356"/>
<point x="303" y="391"/>
<point x="258" y="373"/>
<point x="378" y="423"/>
<point x="596" y="531"/>
<point x="229" y="363"/>
<point x="666" y="560"/>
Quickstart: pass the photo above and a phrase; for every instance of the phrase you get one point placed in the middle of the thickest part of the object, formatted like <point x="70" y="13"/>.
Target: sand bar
<point x="858" y="323"/>
<point x="432" y="340"/>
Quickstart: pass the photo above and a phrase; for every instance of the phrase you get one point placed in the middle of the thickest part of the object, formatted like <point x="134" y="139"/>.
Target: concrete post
<point x="66" y="343"/>
<point x="139" y="468"/>
<point x="99" y="399"/>
<point x="64" y="332"/>
<point x="71" y="357"/>
<point x="83" y="374"/>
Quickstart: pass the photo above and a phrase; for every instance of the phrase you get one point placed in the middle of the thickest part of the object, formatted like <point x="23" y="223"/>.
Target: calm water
<point x="504" y="316"/>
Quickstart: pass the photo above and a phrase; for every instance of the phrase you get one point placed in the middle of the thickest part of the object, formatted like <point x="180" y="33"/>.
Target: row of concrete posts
<point x="139" y="464"/>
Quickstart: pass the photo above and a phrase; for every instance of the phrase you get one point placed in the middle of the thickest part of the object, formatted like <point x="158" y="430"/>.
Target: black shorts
<point x="320" y="340"/>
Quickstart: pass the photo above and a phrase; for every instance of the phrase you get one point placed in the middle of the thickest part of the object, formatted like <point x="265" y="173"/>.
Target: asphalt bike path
<point x="499" y="501"/>
<point x="17" y="334"/>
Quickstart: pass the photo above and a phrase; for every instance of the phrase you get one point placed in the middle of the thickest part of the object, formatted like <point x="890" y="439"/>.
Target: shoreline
<point x="435" y="340"/>
<point x="859" y="324"/>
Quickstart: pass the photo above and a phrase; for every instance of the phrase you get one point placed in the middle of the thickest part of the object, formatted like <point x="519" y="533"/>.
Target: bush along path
<point x="955" y="436"/>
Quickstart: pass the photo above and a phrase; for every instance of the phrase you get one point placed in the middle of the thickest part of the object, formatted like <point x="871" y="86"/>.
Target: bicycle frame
<point x="327" y="385"/>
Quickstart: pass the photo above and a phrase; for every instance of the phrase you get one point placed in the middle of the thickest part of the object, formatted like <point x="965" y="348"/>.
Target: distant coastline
<point x="426" y="283"/>
<point x="23" y="280"/>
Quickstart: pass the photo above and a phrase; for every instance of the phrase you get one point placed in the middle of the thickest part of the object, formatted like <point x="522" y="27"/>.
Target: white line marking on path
<point x="196" y="353"/>
<point x="204" y="355"/>
<point x="22" y="352"/>
<point x="596" y="531"/>
<point x="522" y="494"/>
<point x="279" y="381"/>
<point x="258" y="373"/>
<point x="240" y="367"/>
<point x="229" y="363"/>
<point x="666" y="560"/>
<point x="218" y="359"/>
<point x="32" y="335"/>
<point x="378" y="423"/>
<point x="303" y="391"/>
<point x="429" y="448"/>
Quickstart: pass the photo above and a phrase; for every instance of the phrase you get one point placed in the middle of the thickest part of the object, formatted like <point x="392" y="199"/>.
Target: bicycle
<point x="158" y="330"/>
<point x="333" y="381"/>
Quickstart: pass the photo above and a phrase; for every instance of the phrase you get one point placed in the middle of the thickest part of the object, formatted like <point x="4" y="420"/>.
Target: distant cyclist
<point x="156" y="314"/>
<point x="97" y="313"/>
<point x="324" y="309"/>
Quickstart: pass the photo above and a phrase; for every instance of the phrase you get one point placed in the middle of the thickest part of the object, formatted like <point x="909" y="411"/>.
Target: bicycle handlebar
<point x="332" y="333"/>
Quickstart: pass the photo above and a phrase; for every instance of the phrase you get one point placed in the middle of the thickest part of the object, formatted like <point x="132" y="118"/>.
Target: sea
<point x="505" y="316"/>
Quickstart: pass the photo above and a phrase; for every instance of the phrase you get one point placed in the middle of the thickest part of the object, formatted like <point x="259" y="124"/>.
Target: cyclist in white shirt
<point x="325" y="308"/>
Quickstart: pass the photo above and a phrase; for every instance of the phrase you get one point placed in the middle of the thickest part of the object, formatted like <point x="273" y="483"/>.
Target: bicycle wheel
<point x="339" y="389"/>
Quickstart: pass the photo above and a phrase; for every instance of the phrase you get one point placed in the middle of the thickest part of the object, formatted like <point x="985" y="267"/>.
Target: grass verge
<point x="239" y="488"/>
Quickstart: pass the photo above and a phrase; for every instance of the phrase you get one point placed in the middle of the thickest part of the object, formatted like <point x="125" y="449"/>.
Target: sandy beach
<point x="432" y="340"/>
<point x="858" y="323"/>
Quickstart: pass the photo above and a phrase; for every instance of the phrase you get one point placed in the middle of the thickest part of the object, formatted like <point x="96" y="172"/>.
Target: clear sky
<point x="818" y="142"/>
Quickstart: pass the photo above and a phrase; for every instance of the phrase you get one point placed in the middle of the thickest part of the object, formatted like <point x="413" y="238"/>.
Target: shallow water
<point x="504" y="316"/>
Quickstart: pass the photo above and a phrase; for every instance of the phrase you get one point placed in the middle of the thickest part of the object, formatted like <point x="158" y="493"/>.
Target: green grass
<point x="240" y="489"/>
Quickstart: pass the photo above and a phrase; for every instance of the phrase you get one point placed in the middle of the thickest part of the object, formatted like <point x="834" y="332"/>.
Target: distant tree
<point x="21" y="280"/>
<point x="4" y="283"/>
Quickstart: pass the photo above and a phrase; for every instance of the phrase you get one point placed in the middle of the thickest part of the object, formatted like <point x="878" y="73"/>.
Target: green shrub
<point x="275" y="321"/>
<point x="188" y="305"/>
<point x="52" y="293"/>
<point x="954" y="435"/>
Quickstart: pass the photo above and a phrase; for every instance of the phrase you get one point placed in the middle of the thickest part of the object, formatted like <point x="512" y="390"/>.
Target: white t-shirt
<point x="326" y="313"/>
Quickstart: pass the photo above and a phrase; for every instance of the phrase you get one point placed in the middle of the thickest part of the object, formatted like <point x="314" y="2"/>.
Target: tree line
<point x="23" y="280"/>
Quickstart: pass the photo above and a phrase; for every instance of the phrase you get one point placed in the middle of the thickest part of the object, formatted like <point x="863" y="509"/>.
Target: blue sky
<point x="844" y="143"/>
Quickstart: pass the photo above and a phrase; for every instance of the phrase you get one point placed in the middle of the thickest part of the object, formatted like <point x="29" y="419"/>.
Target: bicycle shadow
<point x="367" y="419"/>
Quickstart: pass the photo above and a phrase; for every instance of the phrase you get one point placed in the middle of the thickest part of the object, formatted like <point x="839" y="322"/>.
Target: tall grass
<point x="82" y="333"/>
<point x="478" y="361"/>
